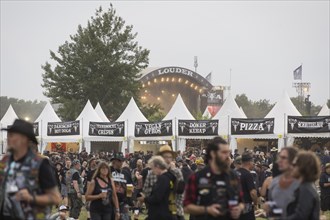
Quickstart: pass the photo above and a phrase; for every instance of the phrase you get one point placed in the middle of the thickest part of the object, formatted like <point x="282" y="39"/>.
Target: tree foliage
<point x="23" y="109"/>
<point x="253" y="109"/>
<point x="153" y="113"/>
<point x="302" y="108"/>
<point x="101" y="62"/>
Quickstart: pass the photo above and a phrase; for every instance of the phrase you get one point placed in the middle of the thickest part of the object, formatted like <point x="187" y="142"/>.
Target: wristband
<point x="117" y="210"/>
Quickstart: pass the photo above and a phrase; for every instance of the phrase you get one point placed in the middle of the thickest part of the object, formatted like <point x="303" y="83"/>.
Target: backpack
<point x="178" y="182"/>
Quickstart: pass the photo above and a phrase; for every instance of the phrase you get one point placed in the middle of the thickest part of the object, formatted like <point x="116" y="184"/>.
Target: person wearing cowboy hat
<point x="169" y="156"/>
<point x="27" y="182"/>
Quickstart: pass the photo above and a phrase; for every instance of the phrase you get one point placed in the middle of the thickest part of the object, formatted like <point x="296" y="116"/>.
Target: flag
<point x="297" y="73"/>
<point x="209" y="77"/>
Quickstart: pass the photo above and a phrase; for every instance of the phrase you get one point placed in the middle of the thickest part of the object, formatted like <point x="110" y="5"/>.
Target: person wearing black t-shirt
<point x="213" y="193"/>
<point x="250" y="196"/>
<point x="64" y="191"/>
<point x="21" y="170"/>
<point x="90" y="173"/>
<point x="101" y="193"/>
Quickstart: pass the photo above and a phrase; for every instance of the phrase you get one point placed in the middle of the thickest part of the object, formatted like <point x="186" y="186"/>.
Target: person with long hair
<point x="306" y="204"/>
<point x="102" y="195"/>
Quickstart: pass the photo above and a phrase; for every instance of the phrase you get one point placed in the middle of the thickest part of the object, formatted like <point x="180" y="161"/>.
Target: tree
<point x="24" y="109"/>
<point x="253" y="109"/>
<point x="101" y="62"/>
<point x="301" y="106"/>
<point x="152" y="112"/>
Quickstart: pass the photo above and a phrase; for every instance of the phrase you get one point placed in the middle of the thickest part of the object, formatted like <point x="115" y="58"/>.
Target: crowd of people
<point x="206" y="184"/>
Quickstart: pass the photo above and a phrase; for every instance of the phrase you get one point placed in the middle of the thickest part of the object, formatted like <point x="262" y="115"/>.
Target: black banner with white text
<point x="252" y="126"/>
<point x="198" y="127"/>
<point x="36" y="128"/>
<point x="63" y="128"/>
<point x="153" y="129"/>
<point x="110" y="129"/>
<point x="308" y="124"/>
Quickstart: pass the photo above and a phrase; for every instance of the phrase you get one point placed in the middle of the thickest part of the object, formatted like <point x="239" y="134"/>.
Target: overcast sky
<point x="262" y="42"/>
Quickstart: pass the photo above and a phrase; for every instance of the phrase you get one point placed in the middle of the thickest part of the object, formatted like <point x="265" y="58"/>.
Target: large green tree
<point x="101" y="62"/>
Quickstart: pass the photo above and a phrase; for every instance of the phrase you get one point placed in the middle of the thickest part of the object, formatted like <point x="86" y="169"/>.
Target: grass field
<point x="83" y="216"/>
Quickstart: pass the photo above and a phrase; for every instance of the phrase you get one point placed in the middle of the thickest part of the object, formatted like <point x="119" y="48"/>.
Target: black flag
<point x="297" y="73"/>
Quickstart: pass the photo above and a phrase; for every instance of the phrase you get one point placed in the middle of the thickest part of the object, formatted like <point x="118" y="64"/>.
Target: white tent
<point x="240" y="108"/>
<point x="130" y="115"/>
<point x="47" y="115"/>
<point x="88" y="114"/>
<point x="207" y="113"/>
<point x="228" y="110"/>
<point x="100" y="112"/>
<point x="179" y="111"/>
<point x="325" y="111"/>
<point x="8" y="119"/>
<point x="279" y="112"/>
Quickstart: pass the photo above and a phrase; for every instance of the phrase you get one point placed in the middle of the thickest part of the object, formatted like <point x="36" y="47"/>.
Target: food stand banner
<point x="153" y="129"/>
<point x="308" y="124"/>
<point x="63" y="128"/>
<point x="252" y="126"/>
<point x="109" y="129"/>
<point x="198" y="127"/>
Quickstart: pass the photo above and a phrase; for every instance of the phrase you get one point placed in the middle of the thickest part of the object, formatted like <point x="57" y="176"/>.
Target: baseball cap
<point x="75" y="161"/>
<point x="63" y="208"/>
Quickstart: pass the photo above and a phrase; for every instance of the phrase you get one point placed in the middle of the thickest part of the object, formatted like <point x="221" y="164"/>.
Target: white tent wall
<point x="47" y="115"/>
<point x="8" y="119"/>
<point x="100" y="112"/>
<point x="325" y="111"/>
<point x="130" y="115"/>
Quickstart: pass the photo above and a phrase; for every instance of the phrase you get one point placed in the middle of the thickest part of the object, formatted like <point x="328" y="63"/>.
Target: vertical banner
<point x="36" y="128"/>
<point x="198" y="127"/>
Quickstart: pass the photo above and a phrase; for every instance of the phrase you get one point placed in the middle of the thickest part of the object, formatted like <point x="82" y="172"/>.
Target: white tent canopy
<point x="47" y="115"/>
<point x="207" y="113"/>
<point x="280" y="111"/>
<point x="7" y="119"/>
<point x="100" y="112"/>
<point x="130" y="115"/>
<point x="240" y="108"/>
<point x="179" y="111"/>
<point x="325" y="111"/>
<point x="228" y="110"/>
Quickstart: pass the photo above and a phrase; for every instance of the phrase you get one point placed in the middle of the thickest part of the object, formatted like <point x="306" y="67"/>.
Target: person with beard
<point x="27" y="182"/>
<point x="214" y="192"/>
<point x="248" y="186"/>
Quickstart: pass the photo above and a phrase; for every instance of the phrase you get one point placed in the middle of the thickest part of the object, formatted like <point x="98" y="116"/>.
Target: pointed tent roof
<point x="132" y="114"/>
<point x="9" y="117"/>
<point x="230" y="108"/>
<point x="179" y="111"/>
<point x="87" y="115"/>
<point x="47" y="115"/>
<point x="240" y="108"/>
<point x="281" y="108"/>
<point x="100" y="112"/>
<point x="325" y="111"/>
<point x="207" y="113"/>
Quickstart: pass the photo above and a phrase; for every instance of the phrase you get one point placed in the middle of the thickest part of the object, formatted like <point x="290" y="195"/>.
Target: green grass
<point x="83" y="215"/>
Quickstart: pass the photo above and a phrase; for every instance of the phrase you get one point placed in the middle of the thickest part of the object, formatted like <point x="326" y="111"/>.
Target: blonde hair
<point x="158" y="161"/>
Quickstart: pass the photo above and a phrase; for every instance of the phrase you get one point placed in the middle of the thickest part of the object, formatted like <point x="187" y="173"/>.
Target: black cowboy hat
<point x="22" y="127"/>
